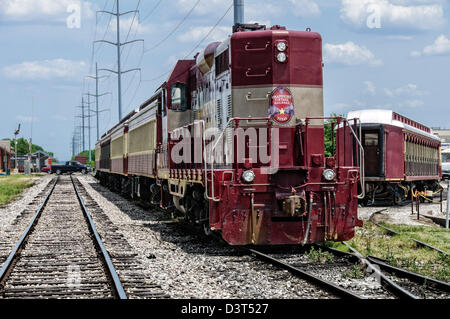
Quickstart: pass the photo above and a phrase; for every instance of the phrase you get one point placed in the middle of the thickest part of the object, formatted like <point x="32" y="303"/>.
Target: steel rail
<point x="307" y="276"/>
<point x="120" y="292"/>
<point x="7" y="266"/>
<point x="385" y="281"/>
<point x="399" y="272"/>
<point x="420" y="279"/>
<point x="420" y="243"/>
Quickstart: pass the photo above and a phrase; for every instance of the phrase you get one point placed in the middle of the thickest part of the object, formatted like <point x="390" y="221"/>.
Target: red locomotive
<point x="401" y="156"/>
<point x="234" y="141"/>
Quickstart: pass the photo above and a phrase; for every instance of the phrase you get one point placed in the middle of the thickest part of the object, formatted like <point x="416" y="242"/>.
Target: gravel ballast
<point x="189" y="265"/>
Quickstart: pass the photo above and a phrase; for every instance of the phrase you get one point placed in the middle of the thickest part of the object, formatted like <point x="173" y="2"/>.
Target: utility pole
<point x="16" y="132"/>
<point x="88" y="116"/>
<point x="32" y="115"/>
<point x="448" y="205"/>
<point x="119" y="71"/>
<point x="89" y="125"/>
<point x="73" y="144"/>
<point x="83" y="126"/>
<point x="96" y="95"/>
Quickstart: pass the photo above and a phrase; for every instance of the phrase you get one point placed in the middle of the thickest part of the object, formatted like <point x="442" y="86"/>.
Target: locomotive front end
<point x="280" y="186"/>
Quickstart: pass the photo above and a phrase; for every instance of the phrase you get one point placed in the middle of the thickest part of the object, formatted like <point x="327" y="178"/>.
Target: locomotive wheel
<point x="207" y="230"/>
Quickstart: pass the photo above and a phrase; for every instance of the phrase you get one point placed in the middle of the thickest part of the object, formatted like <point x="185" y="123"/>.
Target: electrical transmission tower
<point x="86" y="114"/>
<point x="118" y="44"/>
<point x="83" y="126"/>
<point x="97" y="95"/>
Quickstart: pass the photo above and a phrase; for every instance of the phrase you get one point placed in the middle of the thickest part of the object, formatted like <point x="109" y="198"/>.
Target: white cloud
<point x="47" y="70"/>
<point x="414" y="15"/>
<point x="370" y="87"/>
<point x="197" y="33"/>
<point x="305" y="8"/>
<point x="349" y="54"/>
<point x="204" y="8"/>
<point x="412" y="103"/>
<point x="130" y="25"/>
<point x="41" y="10"/>
<point x="407" y="90"/>
<point x="440" y="47"/>
<point x="399" y="37"/>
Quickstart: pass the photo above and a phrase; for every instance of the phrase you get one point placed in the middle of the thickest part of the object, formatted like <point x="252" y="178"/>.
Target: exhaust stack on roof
<point x="238" y="12"/>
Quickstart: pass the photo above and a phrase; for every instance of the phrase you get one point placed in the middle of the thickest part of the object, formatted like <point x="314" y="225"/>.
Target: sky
<point x="389" y="54"/>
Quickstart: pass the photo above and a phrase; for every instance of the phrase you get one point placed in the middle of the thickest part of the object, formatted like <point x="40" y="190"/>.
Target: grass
<point x="401" y="251"/>
<point x="320" y="256"/>
<point x="12" y="186"/>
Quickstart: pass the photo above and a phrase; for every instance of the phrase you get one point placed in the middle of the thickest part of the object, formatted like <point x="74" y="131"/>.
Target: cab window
<point x="179" y="99"/>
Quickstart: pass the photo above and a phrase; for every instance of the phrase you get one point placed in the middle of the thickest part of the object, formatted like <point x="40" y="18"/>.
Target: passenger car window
<point x="371" y="139"/>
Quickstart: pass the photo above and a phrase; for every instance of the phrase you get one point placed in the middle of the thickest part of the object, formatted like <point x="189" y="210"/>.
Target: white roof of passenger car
<point x="385" y="117"/>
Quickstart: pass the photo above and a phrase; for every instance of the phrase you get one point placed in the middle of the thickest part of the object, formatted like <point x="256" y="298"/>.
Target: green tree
<point x="328" y="134"/>
<point x="23" y="147"/>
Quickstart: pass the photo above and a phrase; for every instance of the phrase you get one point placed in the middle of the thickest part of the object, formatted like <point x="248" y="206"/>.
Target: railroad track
<point x="62" y="255"/>
<point x="394" y="233"/>
<point x="378" y="280"/>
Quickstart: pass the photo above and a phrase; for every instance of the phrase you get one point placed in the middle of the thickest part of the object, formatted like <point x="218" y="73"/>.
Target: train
<point x="401" y="157"/>
<point x="233" y="142"/>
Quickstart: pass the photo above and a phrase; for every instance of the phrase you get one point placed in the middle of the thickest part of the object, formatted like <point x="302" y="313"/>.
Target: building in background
<point x="5" y="156"/>
<point x="444" y="135"/>
<point x="39" y="160"/>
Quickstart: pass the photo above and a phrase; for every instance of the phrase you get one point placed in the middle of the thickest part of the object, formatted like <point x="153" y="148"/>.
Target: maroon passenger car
<point x="234" y="142"/>
<point x="401" y="156"/>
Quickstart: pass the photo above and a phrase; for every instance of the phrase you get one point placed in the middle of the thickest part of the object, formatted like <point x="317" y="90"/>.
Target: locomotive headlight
<point x="282" y="57"/>
<point x="281" y="46"/>
<point x="248" y="176"/>
<point x="329" y="175"/>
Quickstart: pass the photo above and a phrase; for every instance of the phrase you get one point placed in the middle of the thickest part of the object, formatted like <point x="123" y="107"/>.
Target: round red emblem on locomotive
<point x="281" y="106"/>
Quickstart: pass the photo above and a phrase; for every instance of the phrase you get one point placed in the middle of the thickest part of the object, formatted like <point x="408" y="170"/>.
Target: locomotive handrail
<point x="358" y="139"/>
<point x="268" y="44"/>
<point x="211" y="155"/>
<point x="362" y="160"/>
<point x="256" y="99"/>
<point x="247" y="74"/>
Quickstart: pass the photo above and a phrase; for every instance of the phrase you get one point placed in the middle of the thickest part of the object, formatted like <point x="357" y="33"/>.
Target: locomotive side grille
<point x="219" y="114"/>
<point x="229" y="133"/>
<point x="229" y="108"/>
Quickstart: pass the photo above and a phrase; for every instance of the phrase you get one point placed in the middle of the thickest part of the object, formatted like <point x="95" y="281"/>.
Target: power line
<point x="175" y="29"/>
<point x="198" y="45"/>
<point x="153" y="10"/>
